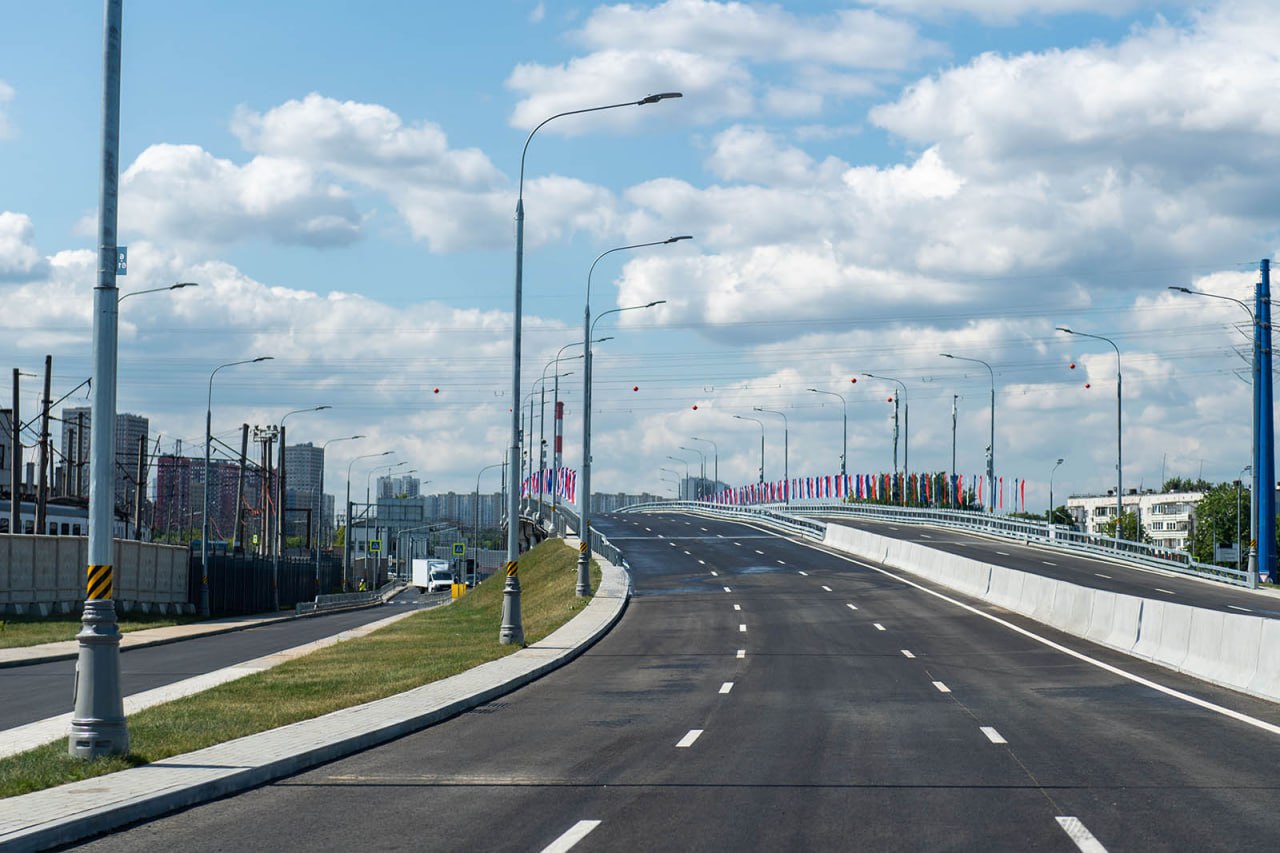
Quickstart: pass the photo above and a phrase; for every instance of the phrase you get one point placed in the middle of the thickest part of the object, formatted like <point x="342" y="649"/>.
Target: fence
<point x="242" y="583"/>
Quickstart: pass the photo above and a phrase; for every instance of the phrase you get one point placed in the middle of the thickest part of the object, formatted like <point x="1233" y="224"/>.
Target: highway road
<point x="43" y="690"/>
<point x="763" y="694"/>
<point x="1078" y="569"/>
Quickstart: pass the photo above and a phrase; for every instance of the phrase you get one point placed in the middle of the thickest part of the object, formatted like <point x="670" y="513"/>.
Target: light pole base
<point x="98" y="725"/>
<point x="511" y="632"/>
<point x="583" y="589"/>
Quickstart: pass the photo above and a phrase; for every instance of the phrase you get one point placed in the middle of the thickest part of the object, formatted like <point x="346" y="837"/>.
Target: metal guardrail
<point x="1023" y="530"/>
<point x="339" y="600"/>
<point x="564" y="518"/>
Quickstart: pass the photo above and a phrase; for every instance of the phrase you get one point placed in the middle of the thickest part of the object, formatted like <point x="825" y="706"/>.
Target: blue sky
<point x="868" y="184"/>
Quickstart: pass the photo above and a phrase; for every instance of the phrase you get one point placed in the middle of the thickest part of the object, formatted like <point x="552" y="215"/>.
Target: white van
<point x="432" y="575"/>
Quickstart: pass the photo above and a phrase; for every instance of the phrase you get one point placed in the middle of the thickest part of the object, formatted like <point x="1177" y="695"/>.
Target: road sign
<point x="122" y="260"/>
<point x="255" y="539"/>
<point x="375" y="546"/>
<point x="459" y="549"/>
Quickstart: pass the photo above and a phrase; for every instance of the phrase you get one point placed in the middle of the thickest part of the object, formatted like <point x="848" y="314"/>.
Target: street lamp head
<point x="661" y="96"/>
<point x="678" y="239"/>
<point x="602" y="340"/>
<point x="1181" y="289"/>
<point x="657" y="302"/>
<point x="262" y="358"/>
<point x="1060" y="461"/>
<point x="1065" y="329"/>
<point x="946" y="355"/>
<point x="321" y="408"/>
<point x="183" y="284"/>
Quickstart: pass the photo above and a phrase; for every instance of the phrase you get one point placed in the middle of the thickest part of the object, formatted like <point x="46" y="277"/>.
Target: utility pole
<point x="280" y="538"/>
<point x="139" y="486"/>
<point x="42" y="490"/>
<point x="15" y="475"/>
<point x="1266" y="468"/>
<point x="951" y="489"/>
<point x="237" y="531"/>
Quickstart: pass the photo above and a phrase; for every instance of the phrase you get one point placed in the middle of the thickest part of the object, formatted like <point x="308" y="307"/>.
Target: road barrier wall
<point x="46" y="574"/>
<point x="1228" y="649"/>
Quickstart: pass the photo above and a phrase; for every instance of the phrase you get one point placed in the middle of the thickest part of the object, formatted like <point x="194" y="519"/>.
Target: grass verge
<point x="17" y="631"/>
<point x="423" y="648"/>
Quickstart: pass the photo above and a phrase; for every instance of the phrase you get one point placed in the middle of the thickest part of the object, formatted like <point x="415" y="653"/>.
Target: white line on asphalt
<point x="739" y="544"/>
<point x="726" y="589"/>
<point x="891" y="527"/>
<point x="687" y="554"/>
<point x="576" y="833"/>
<point x="942" y="688"/>
<point x="1077" y="832"/>
<point x="992" y="735"/>
<point x="1100" y="575"/>
<point x="1047" y="563"/>
<point x="761" y="553"/>
<point x="907" y="654"/>
<point x="1003" y="553"/>
<point x="1265" y="726"/>
<point x="703" y="529"/>
<point x="647" y="530"/>
<point x="827" y="588"/>
<point x="742" y="653"/>
<point x="702" y="562"/>
<point x="714" y="573"/>
<point x="672" y="544"/>
<point x="1235" y="607"/>
<point x="852" y="606"/>
<point x="742" y="629"/>
<point x="1165" y="591"/>
<point x="804" y="574"/>
<point x="925" y="536"/>
<point x="726" y="687"/>
<point x="782" y="562"/>
<point x="736" y="606"/>
<point x="688" y="739"/>
<point x="879" y="627"/>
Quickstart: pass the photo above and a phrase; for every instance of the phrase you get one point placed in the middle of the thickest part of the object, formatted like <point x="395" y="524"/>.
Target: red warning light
<point x="854" y="380"/>
<point x="1087" y="385"/>
<point x="437" y="391"/>
<point x="1073" y="365"/>
<point x="635" y="387"/>
<point x="695" y="407"/>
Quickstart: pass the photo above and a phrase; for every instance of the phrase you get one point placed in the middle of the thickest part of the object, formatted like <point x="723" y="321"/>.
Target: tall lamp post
<point x="1255" y="363"/>
<point x="1119" y="442"/>
<point x="760" y="424"/>
<point x="208" y="445"/>
<point x="786" y="451"/>
<point x="542" y="420"/>
<point x="584" y="548"/>
<point x="475" y="527"/>
<point x="281" y="494"/>
<point x="685" y="462"/>
<point x="702" y="472"/>
<point x="906" y="429"/>
<point x="844" y="434"/>
<point x="511" y="631"/>
<point x="991" y="448"/>
<point x="715" y="448"/>
<point x="346" y="537"/>
<point x="179" y="286"/>
<point x="320" y="525"/>
<point x="1051" y="473"/>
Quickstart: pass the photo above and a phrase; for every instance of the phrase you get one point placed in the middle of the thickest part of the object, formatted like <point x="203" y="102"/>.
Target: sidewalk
<point x="72" y="812"/>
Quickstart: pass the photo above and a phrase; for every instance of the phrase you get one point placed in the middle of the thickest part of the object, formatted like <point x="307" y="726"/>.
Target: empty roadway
<point x="763" y="694"/>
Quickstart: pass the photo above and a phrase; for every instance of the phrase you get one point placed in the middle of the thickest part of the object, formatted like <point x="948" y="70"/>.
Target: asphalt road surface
<point x="43" y="690"/>
<point x="762" y="694"/>
<point x="1078" y="569"/>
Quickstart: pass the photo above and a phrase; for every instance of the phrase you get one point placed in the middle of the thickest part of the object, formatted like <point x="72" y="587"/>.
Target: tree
<point x="1186" y="484"/>
<point x="1216" y="519"/>
<point x="1131" y="530"/>
<point x="1062" y="515"/>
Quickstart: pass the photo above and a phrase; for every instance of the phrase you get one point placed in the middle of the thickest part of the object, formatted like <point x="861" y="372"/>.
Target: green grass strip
<point x="17" y="631"/>
<point x="420" y="649"/>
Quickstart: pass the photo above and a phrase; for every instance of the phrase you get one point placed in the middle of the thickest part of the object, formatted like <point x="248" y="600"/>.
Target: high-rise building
<point x="131" y="431"/>
<point x="303" y="470"/>
<point x="6" y="447"/>
<point x="406" y="486"/>
<point x="179" y="500"/>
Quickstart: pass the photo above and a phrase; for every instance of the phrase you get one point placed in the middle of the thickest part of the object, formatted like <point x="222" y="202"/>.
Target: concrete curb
<point x="69" y="813"/>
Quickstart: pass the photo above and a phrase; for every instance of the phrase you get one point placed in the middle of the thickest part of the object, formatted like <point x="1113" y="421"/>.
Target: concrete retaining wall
<point x="1229" y="649"/>
<point x="44" y="574"/>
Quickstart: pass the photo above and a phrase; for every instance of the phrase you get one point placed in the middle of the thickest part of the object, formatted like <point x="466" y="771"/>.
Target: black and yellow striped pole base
<point x="98" y="725"/>
<point x="99" y="583"/>
<point x="511" y="632"/>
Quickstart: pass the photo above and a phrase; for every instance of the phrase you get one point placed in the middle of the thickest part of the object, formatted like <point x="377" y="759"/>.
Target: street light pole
<point x="179" y="286"/>
<point x="583" y="585"/>
<point x="281" y="494"/>
<point x="715" y="474"/>
<point x="702" y="473"/>
<point x="208" y="445"/>
<point x="475" y="527"/>
<point x="1051" y="472"/>
<point x="844" y="435"/>
<point x="906" y="430"/>
<point x="320" y="525"/>
<point x="1119" y="442"/>
<point x="346" y="534"/>
<point x="991" y="449"/>
<point x="760" y="424"/>
<point x="685" y="486"/>
<point x="511" y="631"/>
<point x="786" y="452"/>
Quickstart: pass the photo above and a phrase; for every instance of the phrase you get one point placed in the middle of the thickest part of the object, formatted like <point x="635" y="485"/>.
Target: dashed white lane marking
<point x="687" y="554"/>
<point x="1165" y="591"/>
<point x="879" y="627"/>
<point x="1101" y="575"/>
<point x="906" y="653"/>
<point x="1047" y="563"/>
<point x="726" y="589"/>
<point x="891" y="527"/>
<point x="714" y="573"/>
<point x="742" y="629"/>
<point x="576" y="833"/>
<point x="703" y="529"/>
<point x="736" y="606"/>
<point x="992" y="735"/>
<point x="782" y="562"/>
<point x="739" y="544"/>
<point x="1082" y="837"/>
<point x="758" y="551"/>
<point x="702" y="562"/>
<point x="804" y="574"/>
<point x="688" y="739"/>
<point x="1003" y="553"/>
<point x="925" y="536"/>
<point x="647" y="530"/>
<point x="942" y="688"/>
<point x="827" y="588"/>
<point x="1236" y="607"/>
<point x="726" y="687"/>
<point x="852" y="606"/>
<point x="742" y="653"/>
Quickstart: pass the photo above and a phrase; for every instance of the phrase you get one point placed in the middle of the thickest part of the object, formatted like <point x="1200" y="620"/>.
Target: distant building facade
<point x="132" y="431"/>
<point x="1167" y="517"/>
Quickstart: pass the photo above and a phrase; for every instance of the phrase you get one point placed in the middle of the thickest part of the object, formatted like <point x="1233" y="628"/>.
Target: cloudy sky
<point x="867" y="184"/>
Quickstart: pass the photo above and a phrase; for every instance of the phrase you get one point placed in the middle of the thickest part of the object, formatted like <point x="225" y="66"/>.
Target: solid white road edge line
<point x="576" y="833"/>
<point x="688" y="739"/>
<point x="992" y="734"/>
<point x="1080" y="656"/>
<point x="1082" y="837"/>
